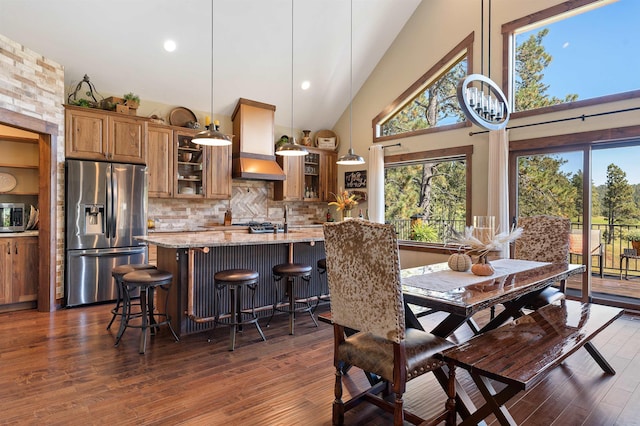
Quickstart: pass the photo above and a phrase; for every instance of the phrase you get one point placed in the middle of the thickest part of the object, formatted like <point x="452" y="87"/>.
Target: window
<point x="430" y="103"/>
<point x="426" y="193"/>
<point x="565" y="59"/>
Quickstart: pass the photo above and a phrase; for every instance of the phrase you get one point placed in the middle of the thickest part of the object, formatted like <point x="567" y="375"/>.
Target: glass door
<point x="616" y="217"/>
<point x="551" y="183"/>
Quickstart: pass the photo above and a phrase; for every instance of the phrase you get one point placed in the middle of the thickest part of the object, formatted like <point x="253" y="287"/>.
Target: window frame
<point x="419" y="85"/>
<point x="466" y="152"/>
<point x="508" y="60"/>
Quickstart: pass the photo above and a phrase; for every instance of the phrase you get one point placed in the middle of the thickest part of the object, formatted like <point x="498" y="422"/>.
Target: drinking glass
<point x="484" y="228"/>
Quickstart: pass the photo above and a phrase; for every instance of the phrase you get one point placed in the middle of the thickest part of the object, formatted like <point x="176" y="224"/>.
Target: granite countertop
<point x="19" y="234"/>
<point x="230" y="238"/>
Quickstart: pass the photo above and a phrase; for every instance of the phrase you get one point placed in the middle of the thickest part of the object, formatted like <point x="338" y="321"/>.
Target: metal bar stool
<point x="117" y="273"/>
<point x="291" y="271"/>
<point x="146" y="280"/>
<point x="235" y="280"/>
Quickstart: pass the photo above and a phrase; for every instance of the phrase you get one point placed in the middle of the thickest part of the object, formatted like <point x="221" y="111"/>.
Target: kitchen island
<point x="194" y="257"/>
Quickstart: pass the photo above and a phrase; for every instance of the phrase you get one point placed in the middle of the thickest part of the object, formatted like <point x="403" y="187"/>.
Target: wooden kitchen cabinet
<point x="19" y="269"/>
<point x="320" y="175"/>
<point x="189" y="166"/>
<point x="219" y="172"/>
<point x="160" y="161"/>
<point x="179" y="168"/>
<point x="292" y="188"/>
<point x="102" y="135"/>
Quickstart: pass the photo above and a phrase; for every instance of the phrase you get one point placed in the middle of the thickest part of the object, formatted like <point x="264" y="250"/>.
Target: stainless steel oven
<point x="11" y="217"/>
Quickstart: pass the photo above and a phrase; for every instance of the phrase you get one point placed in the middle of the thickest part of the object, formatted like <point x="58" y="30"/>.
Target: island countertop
<point x="228" y="238"/>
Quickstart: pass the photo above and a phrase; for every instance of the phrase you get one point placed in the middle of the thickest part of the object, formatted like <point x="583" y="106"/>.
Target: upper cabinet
<point x="179" y="168"/>
<point x="160" y="161"/>
<point x="309" y="178"/>
<point x="102" y="135"/>
<point x="320" y="174"/>
<point x="292" y="188"/>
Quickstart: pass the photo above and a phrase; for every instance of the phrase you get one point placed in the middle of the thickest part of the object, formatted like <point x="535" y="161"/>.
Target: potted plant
<point x="634" y="236"/>
<point x="131" y="100"/>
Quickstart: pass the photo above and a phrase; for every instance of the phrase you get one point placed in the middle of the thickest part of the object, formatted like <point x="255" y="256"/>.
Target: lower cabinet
<point x="19" y="269"/>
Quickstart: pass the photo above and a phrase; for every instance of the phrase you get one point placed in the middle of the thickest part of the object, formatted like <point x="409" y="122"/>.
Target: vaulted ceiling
<point x="119" y="44"/>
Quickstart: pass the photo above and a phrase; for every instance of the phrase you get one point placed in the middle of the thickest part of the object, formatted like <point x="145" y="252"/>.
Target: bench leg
<point x="494" y="402"/>
<point x="598" y="358"/>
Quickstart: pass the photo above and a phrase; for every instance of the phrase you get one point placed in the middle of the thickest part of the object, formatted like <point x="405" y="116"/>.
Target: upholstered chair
<point x="544" y="239"/>
<point x="363" y="271"/>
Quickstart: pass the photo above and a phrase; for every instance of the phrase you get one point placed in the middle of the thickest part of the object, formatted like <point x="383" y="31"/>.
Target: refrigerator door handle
<point x="109" y="203"/>
<point x="115" y="202"/>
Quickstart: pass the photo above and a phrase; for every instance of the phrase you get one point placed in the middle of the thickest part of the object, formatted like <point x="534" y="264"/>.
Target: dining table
<point x="460" y="295"/>
<point x="514" y="284"/>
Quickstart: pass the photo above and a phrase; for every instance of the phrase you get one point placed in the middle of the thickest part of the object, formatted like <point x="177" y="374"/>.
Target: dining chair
<point x="363" y="271"/>
<point x="544" y="239"/>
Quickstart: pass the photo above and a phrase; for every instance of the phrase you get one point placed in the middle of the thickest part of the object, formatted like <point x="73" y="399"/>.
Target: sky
<point x="594" y="55"/>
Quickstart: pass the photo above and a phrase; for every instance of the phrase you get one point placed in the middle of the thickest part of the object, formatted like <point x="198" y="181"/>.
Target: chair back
<point x="544" y="239"/>
<point x="363" y="271"/>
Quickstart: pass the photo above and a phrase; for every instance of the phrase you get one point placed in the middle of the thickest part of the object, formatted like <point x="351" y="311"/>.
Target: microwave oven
<point x="11" y="217"/>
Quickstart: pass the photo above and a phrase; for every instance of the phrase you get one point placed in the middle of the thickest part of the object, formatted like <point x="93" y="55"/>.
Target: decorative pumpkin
<point x="459" y="262"/>
<point x="482" y="268"/>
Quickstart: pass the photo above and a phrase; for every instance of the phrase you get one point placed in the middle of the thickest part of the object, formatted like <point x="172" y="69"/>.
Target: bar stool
<point x="291" y="271"/>
<point x="146" y="281"/>
<point x="117" y="273"/>
<point x="235" y="280"/>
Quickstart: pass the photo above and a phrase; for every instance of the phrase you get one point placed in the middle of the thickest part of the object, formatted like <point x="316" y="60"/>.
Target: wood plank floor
<point x="61" y="368"/>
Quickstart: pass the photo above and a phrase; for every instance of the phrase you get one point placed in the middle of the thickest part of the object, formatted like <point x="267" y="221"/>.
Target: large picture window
<point x="429" y="104"/>
<point x="427" y="193"/>
<point x="567" y="56"/>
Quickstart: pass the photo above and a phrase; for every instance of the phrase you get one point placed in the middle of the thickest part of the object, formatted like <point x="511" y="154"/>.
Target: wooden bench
<point x="596" y="249"/>
<point x="521" y="353"/>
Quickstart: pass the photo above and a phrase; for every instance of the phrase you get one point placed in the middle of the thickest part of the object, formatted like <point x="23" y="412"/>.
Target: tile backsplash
<point x="251" y="201"/>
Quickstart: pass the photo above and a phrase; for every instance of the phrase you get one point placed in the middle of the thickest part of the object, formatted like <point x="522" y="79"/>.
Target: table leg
<point x="599" y="359"/>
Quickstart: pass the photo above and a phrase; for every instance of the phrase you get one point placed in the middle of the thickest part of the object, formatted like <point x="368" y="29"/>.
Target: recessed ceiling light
<point x="169" y="45"/>
<point x="305" y="85"/>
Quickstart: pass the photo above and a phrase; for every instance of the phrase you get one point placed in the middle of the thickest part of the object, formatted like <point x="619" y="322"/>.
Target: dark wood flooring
<point x="61" y="368"/>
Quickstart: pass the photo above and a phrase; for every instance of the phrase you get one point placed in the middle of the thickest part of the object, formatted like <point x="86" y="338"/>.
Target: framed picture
<point x="355" y="180"/>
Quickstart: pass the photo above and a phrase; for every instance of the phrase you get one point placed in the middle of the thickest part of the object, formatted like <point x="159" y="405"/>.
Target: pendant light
<point x="212" y="136"/>
<point x="480" y="98"/>
<point x="291" y="149"/>
<point x="351" y="158"/>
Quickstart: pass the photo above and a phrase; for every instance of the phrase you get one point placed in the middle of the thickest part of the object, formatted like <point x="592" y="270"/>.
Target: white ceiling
<point x="118" y="43"/>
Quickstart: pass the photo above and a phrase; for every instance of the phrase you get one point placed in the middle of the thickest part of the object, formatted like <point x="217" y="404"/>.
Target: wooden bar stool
<point x="117" y="273"/>
<point x="146" y="281"/>
<point x="235" y="280"/>
<point x="291" y="271"/>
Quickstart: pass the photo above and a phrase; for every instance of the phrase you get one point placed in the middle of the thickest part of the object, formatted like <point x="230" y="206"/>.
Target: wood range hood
<point x="253" y="144"/>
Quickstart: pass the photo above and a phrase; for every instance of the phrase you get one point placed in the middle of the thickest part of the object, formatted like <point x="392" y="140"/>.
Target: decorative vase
<point x="346" y="214"/>
<point x="482" y="267"/>
<point x="636" y="245"/>
<point x="306" y="139"/>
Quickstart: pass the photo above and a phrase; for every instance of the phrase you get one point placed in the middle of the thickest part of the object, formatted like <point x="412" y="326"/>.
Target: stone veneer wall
<point x="251" y="200"/>
<point x="33" y="85"/>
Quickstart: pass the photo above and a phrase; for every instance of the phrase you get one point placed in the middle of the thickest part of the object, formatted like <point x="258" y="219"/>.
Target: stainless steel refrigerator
<point x="106" y="206"/>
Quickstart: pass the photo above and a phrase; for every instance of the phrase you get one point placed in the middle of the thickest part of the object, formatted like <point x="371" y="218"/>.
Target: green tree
<point x="531" y="60"/>
<point x="437" y="102"/>
<point x="618" y="202"/>
<point x="544" y="188"/>
<point x="576" y="181"/>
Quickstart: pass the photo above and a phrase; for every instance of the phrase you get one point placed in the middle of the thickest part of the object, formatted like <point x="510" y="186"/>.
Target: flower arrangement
<point x="479" y="248"/>
<point x="344" y="200"/>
